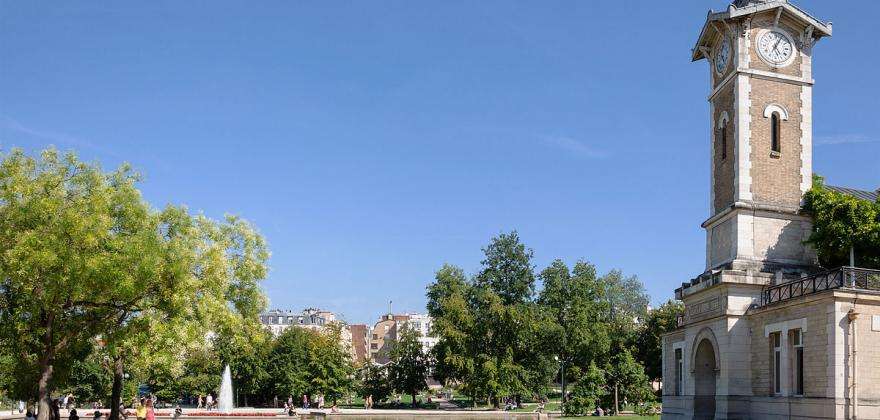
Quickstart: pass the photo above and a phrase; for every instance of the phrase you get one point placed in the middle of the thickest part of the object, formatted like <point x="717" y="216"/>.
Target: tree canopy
<point x="842" y="222"/>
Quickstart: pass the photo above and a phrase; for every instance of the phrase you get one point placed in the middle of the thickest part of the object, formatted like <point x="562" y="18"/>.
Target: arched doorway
<point x="704" y="380"/>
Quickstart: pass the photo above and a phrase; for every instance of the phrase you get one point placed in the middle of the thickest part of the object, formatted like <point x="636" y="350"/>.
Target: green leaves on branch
<point x="842" y="222"/>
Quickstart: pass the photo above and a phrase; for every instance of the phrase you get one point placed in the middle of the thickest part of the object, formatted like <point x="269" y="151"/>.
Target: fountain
<point x="224" y="400"/>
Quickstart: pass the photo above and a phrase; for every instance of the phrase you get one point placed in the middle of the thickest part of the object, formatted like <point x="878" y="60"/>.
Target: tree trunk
<point x="616" y="404"/>
<point x="116" y="393"/>
<point x="45" y="394"/>
<point x="413" y="399"/>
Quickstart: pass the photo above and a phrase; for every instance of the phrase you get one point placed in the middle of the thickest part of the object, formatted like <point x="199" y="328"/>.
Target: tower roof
<point x="741" y="8"/>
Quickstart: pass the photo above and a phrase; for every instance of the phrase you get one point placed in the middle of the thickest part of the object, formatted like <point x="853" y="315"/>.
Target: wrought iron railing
<point x="851" y="277"/>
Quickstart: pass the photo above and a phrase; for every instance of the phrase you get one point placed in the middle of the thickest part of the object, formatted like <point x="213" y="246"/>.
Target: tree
<point x="309" y="362"/>
<point x="649" y="344"/>
<point x="85" y="258"/>
<point x="245" y="351"/>
<point x="80" y="248"/>
<point x="588" y="392"/>
<point x="506" y="352"/>
<point x="408" y="370"/>
<point x="627" y="381"/>
<point x="507" y="269"/>
<point x="575" y="301"/>
<point x="375" y="382"/>
<point x="842" y="223"/>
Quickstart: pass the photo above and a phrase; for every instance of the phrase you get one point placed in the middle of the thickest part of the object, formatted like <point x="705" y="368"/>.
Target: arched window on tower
<point x="723" y="135"/>
<point x="775" y="133"/>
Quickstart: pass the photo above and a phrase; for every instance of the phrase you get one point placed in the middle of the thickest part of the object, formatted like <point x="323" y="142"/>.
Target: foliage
<point x="245" y="351"/>
<point x="587" y="393"/>
<point x="575" y="300"/>
<point x="628" y="376"/>
<point x="507" y="352"/>
<point x="85" y="259"/>
<point x="842" y="222"/>
<point x="309" y="362"/>
<point x="374" y="382"/>
<point x="649" y="344"/>
<point x="90" y="378"/>
<point x="409" y="366"/>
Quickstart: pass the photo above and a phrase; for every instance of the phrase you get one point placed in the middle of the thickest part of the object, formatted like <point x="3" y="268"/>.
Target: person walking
<point x="200" y="402"/>
<point x="209" y="401"/>
<point x="140" y="411"/>
<point x="151" y="414"/>
<point x="305" y="401"/>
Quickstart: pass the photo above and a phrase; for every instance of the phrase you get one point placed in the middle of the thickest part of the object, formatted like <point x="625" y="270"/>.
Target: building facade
<point x="277" y="321"/>
<point x="767" y="332"/>
<point x="388" y="329"/>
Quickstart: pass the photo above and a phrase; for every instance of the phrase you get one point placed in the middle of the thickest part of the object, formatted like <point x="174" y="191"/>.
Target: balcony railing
<point x="849" y="277"/>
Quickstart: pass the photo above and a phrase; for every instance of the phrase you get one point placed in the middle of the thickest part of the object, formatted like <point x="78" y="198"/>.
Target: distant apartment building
<point x="389" y="328"/>
<point x="360" y="343"/>
<point x="277" y="321"/>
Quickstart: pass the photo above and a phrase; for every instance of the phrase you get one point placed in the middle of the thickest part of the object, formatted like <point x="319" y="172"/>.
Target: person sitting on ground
<point x="97" y="415"/>
<point x="291" y="410"/>
<point x="29" y="415"/>
<point x="334" y="408"/>
<point x="177" y="412"/>
<point x="73" y="415"/>
<point x="540" y="408"/>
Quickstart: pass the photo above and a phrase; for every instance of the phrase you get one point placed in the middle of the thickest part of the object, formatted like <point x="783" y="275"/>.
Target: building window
<point x="797" y="343"/>
<point x="679" y="368"/>
<point x="776" y="362"/>
<point x="775" y="133"/>
<point x="724" y="141"/>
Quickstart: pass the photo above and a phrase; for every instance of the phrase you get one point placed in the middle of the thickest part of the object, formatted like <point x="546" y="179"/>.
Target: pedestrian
<point x="290" y="400"/>
<point x="64" y="401"/>
<point x="209" y="401"/>
<point x="200" y="401"/>
<point x="73" y="415"/>
<point x="141" y="410"/>
<point x="20" y="406"/>
<point x="151" y="414"/>
<point x="305" y="401"/>
<point x="320" y="401"/>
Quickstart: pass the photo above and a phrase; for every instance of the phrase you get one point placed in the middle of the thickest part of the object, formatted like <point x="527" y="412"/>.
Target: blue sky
<point x="371" y="142"/>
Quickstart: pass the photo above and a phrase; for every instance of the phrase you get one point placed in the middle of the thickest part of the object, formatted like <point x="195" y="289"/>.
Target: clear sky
<point x="370" y="142"/>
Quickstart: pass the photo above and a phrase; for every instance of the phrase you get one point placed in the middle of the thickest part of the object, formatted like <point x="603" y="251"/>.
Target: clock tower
<point x="760" y="108"/>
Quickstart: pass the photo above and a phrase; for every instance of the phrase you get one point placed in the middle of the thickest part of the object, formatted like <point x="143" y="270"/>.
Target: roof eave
<point x="820" y="28"/>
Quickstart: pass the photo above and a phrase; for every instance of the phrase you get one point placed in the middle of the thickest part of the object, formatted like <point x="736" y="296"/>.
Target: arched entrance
<point x="704" y="380"/>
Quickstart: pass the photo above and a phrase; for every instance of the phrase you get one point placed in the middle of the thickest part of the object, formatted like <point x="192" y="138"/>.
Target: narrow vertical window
<point x="678" y="372"/>
<point x="776" y="363"/>
<point x="797" y="342"/>
<point x="724" y="141"/>
<point x="775" y="132"/>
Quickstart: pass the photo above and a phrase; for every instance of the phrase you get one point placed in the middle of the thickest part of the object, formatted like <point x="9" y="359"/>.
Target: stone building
<point x="277" y="321"/>
<point x="767" y="332"/>
<point x="387" y="331"/>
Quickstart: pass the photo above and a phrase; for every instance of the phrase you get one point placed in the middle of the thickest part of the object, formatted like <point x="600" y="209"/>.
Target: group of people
<point x="208" y="402"/>
<point x="317" y="401"/>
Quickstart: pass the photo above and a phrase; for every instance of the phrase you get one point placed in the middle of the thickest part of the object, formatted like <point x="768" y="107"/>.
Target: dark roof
<point x="864" y="195"/>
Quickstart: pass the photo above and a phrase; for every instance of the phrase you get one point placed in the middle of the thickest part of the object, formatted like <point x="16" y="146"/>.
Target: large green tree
<point x="409" y="366"/>
<point x="84" y="259"/>
<point x="309" y="362"/>
<point x="576" y="301"/>
<point x="494" y="339"/>
<point x="842" y="223"/>
<point x="649" y="343"/>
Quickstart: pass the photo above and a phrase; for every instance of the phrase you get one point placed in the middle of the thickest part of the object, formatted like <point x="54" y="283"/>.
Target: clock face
<point x="775" y="47"/>
<point x="722" y="56"/>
